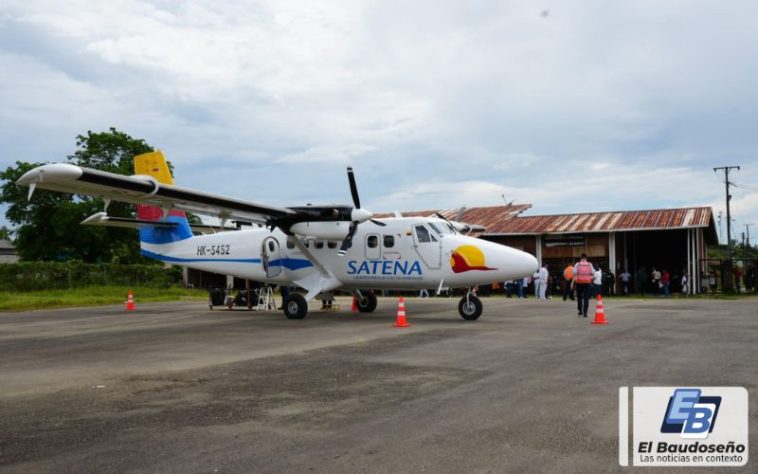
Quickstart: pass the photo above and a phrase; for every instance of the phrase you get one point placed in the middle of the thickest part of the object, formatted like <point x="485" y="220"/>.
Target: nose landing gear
<point x="470" y="307"/>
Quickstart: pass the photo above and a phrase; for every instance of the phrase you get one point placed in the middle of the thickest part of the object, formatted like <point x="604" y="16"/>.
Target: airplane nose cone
<point x="523" y="263"/>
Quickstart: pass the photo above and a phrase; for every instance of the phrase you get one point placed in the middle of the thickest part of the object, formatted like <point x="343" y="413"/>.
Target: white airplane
<point x="317" y="248"/>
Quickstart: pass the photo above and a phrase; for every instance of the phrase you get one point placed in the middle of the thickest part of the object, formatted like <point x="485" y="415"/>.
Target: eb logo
<point x="690" y="414"/>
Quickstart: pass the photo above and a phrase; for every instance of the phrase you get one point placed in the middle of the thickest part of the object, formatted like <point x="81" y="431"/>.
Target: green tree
<point x="6" y="233"/>
<point x="48" y="224"/>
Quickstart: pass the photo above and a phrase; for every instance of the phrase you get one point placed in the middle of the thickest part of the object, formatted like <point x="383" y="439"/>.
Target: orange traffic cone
<point x="400" y="322"/>
<point x="355" y="304"/>
<point x="130" y="301"/>
<point x="599" y="312"/>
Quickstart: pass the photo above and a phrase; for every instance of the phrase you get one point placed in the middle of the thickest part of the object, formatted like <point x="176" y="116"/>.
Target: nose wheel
<point x="470" y="307"/>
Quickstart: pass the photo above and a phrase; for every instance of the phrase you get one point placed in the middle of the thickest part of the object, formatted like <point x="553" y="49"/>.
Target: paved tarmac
<point x="178" y="388"/>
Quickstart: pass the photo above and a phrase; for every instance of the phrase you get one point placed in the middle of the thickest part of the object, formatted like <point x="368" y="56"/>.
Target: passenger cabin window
<point x="319" y="244"/>
<point x="372" y="241"/>
<point x="389" y="241"/>
<point x="271" y="247"/>
<point x="423" y="234"/>
<point x="331" y="245"/>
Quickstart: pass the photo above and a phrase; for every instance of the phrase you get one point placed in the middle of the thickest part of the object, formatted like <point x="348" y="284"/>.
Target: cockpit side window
<point x="422" y="234"/>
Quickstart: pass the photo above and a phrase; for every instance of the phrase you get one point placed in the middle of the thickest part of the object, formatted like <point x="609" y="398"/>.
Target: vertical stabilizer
<point x="154" y="164"/>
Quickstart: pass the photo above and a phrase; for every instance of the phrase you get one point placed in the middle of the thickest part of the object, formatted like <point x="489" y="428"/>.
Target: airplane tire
<point x="368" y="303"/>
<point x="470" y="308"/>
<point x="295" y="306"/>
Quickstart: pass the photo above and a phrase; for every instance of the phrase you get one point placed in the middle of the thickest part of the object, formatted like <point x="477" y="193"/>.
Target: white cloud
<point x="432" y="102"/>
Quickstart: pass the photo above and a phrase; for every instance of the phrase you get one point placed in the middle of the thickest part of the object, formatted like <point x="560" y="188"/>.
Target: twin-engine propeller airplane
<point x="317" y="248"/>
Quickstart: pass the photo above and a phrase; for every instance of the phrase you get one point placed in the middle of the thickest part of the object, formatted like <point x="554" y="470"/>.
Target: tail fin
<point x="154" y="164"/>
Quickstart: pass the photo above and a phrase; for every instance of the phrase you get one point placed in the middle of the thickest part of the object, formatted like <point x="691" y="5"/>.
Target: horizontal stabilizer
<point x="102" y="218"/>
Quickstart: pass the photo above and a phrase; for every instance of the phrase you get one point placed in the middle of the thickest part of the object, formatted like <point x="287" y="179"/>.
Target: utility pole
<point x="727" y="281"/>
<point x="726" y="170"/>
<point x="747" y="230"/>
<point x="721" y="234"/>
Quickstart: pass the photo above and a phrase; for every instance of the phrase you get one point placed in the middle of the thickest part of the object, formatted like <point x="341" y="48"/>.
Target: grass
<point x="93" y="296"/>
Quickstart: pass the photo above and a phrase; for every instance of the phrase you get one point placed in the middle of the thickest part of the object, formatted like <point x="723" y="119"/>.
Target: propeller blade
<point x="353" y="187"/>
<point x="452" y="226"/>
<point x="379" y="223"/>
<point x="348" y="239"/>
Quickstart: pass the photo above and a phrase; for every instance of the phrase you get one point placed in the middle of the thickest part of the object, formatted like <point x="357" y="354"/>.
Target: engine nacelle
<point x="335" y="230"/>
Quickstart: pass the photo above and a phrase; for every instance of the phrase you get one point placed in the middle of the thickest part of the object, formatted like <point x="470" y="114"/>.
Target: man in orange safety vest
<point x="583" y="272"/>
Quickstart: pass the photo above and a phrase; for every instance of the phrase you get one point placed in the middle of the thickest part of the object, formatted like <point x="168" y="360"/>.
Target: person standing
<point x="665" y="283"/>
<point x="568" y="279"/>
<point x="543" y="276"/>
<point x="625" y="278"/>
<point x="655" y="277"/>
<point x="525" y="286"/>
<point x="685" y="284"/>
<point x="583" y="272"/>
<point x="639" y="280"/>
<point x="285" y="291"/>
<point x="597" y="283"/>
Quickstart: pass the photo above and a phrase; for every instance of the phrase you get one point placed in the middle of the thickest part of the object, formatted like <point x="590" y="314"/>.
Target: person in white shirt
<point x="542" y="274"/>
<point x="536" y="281"/>
<point x="597" y="282"/>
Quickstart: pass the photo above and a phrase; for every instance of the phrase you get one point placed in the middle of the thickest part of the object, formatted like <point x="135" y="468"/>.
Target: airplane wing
<point x="139" y="189"/>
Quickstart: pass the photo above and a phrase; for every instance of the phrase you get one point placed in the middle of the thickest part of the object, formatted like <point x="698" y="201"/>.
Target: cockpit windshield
<point x="440" y="228"/>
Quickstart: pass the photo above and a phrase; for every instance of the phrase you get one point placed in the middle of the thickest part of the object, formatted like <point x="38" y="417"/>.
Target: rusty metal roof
<point x="485" y="216"/>
<point x="505" y="220"/>
<point x="618" y="221"/>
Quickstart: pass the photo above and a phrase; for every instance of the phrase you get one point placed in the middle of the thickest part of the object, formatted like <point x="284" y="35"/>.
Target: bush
<point x="30" y="276"/>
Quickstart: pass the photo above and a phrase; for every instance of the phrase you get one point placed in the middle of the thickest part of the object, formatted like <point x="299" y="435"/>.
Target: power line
<point x="744" y="187"/>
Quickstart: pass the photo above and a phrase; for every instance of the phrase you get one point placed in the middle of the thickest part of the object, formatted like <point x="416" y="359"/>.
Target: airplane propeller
<point x="357" y="216"/>
<point x="458" y="228"/>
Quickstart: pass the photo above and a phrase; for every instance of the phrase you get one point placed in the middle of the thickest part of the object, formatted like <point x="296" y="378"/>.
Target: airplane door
<point x="373" y="251"/>
<point x="428" y="246"/>
<point x="270" y="253"/>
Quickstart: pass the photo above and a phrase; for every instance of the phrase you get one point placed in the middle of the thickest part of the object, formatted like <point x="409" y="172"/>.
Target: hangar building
<point x="674" y="239"/>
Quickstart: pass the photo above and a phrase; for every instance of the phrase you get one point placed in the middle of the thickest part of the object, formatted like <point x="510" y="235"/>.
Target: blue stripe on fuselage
<point x="288" y="263"/>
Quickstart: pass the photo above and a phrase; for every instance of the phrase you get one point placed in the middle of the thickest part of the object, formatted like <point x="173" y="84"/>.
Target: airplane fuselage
<point x="407" y="253"/>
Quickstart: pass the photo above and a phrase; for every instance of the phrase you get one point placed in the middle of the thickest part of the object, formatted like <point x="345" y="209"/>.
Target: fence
<point x="728" y="276"/>
<point x="30" y="276"/>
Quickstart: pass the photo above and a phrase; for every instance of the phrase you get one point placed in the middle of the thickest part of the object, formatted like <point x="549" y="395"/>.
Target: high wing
<point x="142" y="189"/>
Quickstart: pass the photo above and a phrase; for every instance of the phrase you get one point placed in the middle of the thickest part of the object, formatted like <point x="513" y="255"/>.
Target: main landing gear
<point x="366" y="301"/>
<point x="295" y="306"/>
<point x="470" y="307"/>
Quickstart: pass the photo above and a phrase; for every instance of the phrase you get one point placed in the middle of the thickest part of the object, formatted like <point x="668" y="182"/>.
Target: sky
<point x="572" y="106"/>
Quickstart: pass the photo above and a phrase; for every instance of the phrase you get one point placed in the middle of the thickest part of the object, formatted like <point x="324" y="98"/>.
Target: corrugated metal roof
<point x="617" y="221"/>
<point x="485" y="216"/>
<point x="506" y="220"/>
